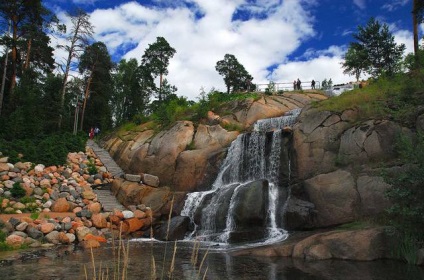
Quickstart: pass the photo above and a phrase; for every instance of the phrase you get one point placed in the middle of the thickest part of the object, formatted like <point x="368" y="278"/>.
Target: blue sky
<point x="278" y="40"/>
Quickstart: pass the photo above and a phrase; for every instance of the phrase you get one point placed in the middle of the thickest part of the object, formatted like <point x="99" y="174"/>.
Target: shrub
<point x="407" y="193"/>
<point x="17" y="190"/>
<point x="46" y="149"/>
<point x="92" y="169"/>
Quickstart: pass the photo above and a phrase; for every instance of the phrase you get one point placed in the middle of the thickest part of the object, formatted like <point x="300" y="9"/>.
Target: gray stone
<point x="178" y="227"/>
<point x="128" y="214"/>
<point x="52" y="237"/>
<point x="20" y="233"/>
<point x="34" y="233"/>
<point x="372" y="192"/>
<point x="151" y="180"/>
<point x="335" y="198"/>
<point x="14" y="221"/>
<point x="298" y="214"/>
<point x="132" y="177"/>
<point x="22" y="226"/>
<point x="38" y="191"/>
<point x="84" y="213"/>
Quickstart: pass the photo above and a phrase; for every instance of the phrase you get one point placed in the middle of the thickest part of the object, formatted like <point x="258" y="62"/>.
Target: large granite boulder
<point x="361" y="245"/>
<point x="335" y="159"/>
<point x="334" y="196"/>
<point x="158" y="199"/>
<point x="178" y="227"/>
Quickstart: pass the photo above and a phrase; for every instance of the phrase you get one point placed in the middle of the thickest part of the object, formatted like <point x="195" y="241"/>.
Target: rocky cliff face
<point x="186" y="157"/>
<point x="338" y="168"/>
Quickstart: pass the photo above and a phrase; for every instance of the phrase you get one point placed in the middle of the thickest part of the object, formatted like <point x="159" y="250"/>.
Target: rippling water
<point x="68" y="263"/>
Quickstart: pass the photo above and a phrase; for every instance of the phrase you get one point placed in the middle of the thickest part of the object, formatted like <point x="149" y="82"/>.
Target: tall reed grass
<point x="121" y="259"/>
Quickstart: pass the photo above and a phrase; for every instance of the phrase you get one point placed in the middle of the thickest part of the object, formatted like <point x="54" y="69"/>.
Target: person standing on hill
<point x="294" y="85"/>
<point x="299" y="84"/>
<point x="313" y="84"/>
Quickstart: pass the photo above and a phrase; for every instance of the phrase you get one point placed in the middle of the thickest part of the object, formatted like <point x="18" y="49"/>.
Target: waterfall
<point x="251" y="159"/>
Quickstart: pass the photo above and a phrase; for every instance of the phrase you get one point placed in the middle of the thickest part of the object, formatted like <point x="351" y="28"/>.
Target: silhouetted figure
<point x="313" y="84"/>
<point x="294" y="85"/>
<point x="299" y="84"/>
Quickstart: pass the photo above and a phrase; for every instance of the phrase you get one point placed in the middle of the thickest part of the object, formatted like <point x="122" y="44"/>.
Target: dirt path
<point x="43" y="215"/>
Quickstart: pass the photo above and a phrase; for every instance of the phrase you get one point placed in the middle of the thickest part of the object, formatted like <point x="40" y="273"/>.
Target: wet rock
<point x="177" y="229"/>
<point x="88" y="244"/>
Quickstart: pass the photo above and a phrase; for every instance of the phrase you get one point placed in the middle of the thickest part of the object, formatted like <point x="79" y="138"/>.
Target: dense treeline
<point x="40" y="96"/>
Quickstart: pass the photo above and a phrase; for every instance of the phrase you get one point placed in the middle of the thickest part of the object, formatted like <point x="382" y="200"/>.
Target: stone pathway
<point x="106" y="159"/>
<point x="104" y="195"/>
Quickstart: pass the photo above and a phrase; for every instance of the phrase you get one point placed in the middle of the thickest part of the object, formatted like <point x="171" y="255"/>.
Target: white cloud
<point x="360" y="4"/>
<point x="394" y="4"/>
<point x="325" y="65"/>
<point x="200" y="42"/>
<point x="266" y="34"/>
<point x="405" y="37"/>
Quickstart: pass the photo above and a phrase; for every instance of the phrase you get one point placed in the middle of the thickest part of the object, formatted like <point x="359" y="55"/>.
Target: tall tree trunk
<point x="3" y="79"/>
<point x="160" y="87"/>
<point x="86" y="94"/>
<point x="415" y="25"/>
<point x="29" y="44"/>
<point x="14" y="56"/>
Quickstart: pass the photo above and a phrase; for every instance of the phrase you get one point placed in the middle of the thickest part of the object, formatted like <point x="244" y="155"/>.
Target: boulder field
<point x="61" y="205"/>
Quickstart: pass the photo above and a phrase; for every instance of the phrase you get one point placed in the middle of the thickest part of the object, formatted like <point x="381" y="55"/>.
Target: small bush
<point x="46" y="149"/>
<point x="27" y="199"/>
<point x="91" y="167"/>
<point x="35" y="215"/>
<point x="17" y="190"/>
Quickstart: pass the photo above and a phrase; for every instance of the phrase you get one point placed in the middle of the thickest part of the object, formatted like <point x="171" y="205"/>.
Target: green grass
<point x="355" y="225"/>
<point x="394" y="98"/>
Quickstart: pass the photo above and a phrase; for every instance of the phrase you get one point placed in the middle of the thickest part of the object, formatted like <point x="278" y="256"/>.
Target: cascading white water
<point x="251" y="157"/>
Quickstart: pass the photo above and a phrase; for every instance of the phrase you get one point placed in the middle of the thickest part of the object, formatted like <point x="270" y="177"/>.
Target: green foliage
<point x="96" y="64"/>
<point x="392" y="97"/>
<point x="172" y="109"/>
<point x="3" y="236"/>
<point x="17" y="190"/>
<point x="91" y="167"/>
<point x="130" y="98"/>
<point x="155" y="61"/>
<point x="49" y="150"/>
<point x="354" y="225"/>
<point x="406" y="249"/>
<point x="232" y="127"/>
<point x="236" y="78"/>
<point x="27" y="199"/>
<point x="407" y="192"/>
<point x="355" y="61"/>
<point x="34" y="215"/>
<point x="374" y="52"/>
<point x="191" y="146"/>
